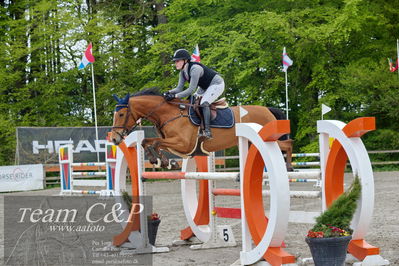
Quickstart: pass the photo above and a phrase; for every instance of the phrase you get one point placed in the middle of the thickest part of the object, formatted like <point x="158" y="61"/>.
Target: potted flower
<point x="153" y="220"/>
<point x="328" y="240"/>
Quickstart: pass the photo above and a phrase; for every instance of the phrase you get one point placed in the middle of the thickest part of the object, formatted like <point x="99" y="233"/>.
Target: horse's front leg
<point x="150" y="151"/>
<point x="177" y="144"/>
<point x="165" y="162"/>
<point x="155" y="155"/>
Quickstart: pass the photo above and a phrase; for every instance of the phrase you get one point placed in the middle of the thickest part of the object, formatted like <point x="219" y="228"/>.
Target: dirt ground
<point x="383" y="231"/>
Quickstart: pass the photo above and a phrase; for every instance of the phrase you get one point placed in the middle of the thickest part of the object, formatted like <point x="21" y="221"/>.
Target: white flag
<point x="287" y="62"/>
<point x="325" y="109"/>
<point x="243" y="112"/>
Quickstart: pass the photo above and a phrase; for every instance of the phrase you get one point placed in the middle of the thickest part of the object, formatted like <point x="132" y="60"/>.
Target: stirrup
<point x="207" y="134"/>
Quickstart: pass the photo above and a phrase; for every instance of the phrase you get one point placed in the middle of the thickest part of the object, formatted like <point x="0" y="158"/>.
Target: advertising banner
<point x="41" y="144"/>
<point x="21" y="177"/>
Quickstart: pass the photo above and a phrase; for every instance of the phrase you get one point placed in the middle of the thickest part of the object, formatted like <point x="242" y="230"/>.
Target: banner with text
<point x="21" y="177"/>
<point x="41" y="144"/>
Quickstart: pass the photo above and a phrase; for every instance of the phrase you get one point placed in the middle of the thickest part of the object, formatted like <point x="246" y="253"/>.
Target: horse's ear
<point x="126" y="99"/>
<point x="116" y="98"/>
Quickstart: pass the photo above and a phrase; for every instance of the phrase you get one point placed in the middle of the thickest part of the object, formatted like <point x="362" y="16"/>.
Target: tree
<point x="339" y="49"/>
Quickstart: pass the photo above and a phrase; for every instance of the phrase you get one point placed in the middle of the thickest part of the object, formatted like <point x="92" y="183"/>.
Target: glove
<point x="168" y="96"/>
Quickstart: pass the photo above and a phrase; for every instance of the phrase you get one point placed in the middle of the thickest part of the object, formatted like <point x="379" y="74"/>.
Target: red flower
<point x="313" y="234"/>
<point x="154" y="216"/>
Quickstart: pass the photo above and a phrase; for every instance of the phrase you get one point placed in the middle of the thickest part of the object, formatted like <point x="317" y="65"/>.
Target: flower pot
<point x="152" y="230"/>
<point x="330" y="251"/>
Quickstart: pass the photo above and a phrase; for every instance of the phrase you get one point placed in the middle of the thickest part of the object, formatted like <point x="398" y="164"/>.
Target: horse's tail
<point x="279" y="115"/>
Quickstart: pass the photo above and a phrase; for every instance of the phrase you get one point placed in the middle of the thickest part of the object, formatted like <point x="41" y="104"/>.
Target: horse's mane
<point x="123" y="102"/>
<point x="154" y="91"/>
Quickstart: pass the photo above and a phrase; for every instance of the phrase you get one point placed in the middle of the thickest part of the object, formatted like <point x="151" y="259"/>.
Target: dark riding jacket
<point x="197" y="75"/>
<point x="205" y="80"/>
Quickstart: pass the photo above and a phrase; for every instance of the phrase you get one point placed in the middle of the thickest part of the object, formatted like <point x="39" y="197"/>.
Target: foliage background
<point x="339" y="48"/>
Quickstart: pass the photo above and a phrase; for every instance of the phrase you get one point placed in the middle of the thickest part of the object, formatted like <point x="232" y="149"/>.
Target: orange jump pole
<point x="163" y="175"/>
<point x="226" y="192"/>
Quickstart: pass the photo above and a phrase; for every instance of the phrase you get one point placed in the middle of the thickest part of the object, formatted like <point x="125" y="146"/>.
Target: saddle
<point x="221" y="117"/>
<point x="219" y="104"/>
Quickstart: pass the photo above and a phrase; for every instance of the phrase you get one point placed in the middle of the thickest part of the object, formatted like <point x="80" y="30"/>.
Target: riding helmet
<point x="181" y="54"/>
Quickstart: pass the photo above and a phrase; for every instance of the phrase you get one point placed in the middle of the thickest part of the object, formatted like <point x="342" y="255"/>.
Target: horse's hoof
<point x="158" y="163"/>
<point x="174" y="165"/>
<point x="153" y="160"/>
<point x="165" y="164"/>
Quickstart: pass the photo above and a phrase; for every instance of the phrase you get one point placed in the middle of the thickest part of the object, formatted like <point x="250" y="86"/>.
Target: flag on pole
<point x="397" y="55"/>
<point x="195" y="57"/>
<point x="243" y="112"/>
<point x="287" y="62"/>
<point x="87" y="57"/>
<point x="325" y="109"/>
<point x="393" y="68"/>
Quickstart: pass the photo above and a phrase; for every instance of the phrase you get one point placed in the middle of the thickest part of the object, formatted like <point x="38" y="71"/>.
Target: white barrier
<point x="134" y="235"/>
<point x="69" y="178"/>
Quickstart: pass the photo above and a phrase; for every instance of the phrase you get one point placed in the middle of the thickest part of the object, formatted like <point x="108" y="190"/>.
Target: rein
<point x="126" y="131"/>
<point x="177" y="117"/>
<point x="182" y="103"/>
<point x="170" y="120"/>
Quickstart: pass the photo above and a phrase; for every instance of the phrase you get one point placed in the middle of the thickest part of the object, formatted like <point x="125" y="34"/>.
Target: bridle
<point x="126" y="131"/>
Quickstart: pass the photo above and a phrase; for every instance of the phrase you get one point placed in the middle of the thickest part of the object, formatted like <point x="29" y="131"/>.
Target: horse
<point x="177" y="134"/>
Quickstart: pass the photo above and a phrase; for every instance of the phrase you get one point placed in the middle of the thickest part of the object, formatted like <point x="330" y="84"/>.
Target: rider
<point x="209" y="85"/>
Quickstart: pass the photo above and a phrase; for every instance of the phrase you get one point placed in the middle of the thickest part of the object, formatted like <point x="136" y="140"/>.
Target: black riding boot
<point x="206" y="111"/>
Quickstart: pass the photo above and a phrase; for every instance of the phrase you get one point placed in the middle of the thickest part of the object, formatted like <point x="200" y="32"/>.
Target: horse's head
<point x="123" y="119"/>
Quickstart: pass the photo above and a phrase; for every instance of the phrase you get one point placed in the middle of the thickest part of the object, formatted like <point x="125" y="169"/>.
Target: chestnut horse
<point x="177" y="134"/>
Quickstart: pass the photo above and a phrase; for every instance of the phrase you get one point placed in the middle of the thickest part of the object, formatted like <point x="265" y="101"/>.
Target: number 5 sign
<point x="226" y="234"/>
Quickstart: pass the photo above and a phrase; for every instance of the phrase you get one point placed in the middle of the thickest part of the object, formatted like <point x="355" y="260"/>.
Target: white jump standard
<point x="70" y="179"/>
